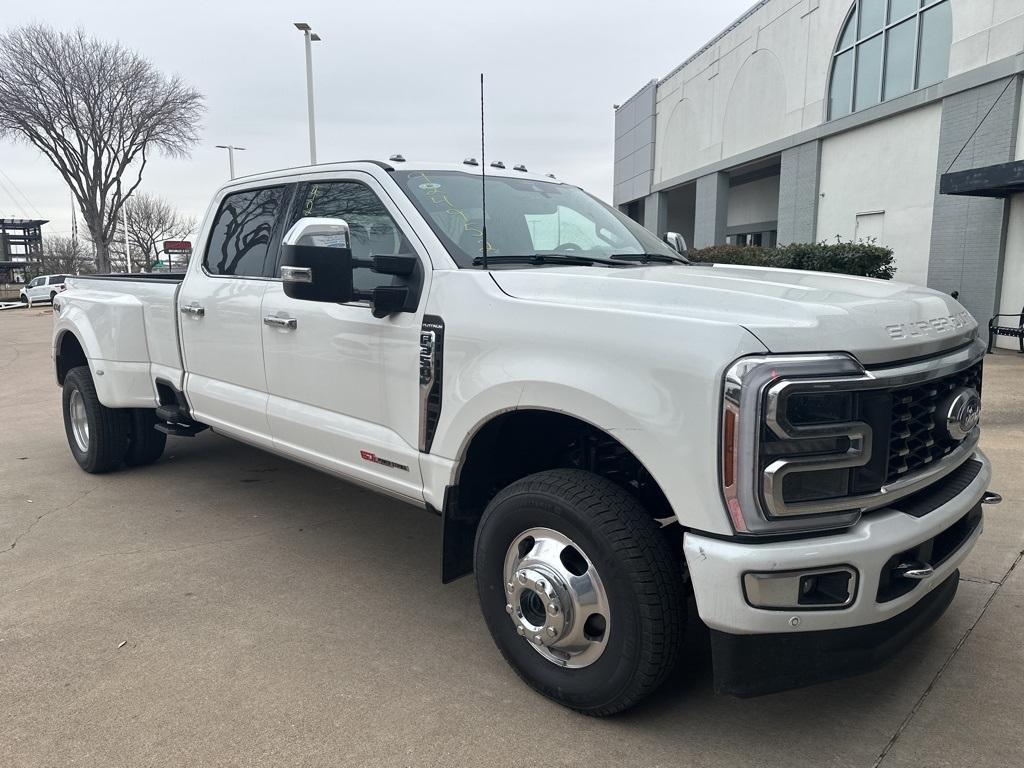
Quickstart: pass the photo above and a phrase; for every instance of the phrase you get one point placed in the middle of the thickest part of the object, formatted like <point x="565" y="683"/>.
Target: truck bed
<point x="133" y="320"/>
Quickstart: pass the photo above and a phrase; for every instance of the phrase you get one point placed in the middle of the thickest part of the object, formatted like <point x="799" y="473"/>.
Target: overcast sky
<point x="389" y="77"/>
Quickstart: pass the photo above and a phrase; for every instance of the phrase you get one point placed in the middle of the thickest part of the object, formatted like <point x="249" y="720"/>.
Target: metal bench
<point x="1014" y="332"/>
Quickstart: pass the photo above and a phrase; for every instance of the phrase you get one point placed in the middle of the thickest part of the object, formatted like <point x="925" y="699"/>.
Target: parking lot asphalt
<point x="226" y="607"/>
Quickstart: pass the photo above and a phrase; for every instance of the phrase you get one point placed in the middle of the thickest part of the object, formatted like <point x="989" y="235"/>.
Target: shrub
<point x="865" y="259"/>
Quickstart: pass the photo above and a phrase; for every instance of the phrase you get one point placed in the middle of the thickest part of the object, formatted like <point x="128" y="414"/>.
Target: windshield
<point x="525" y="217"/>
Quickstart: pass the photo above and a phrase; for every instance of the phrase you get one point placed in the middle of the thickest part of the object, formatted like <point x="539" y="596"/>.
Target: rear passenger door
<point x="221" y="325"/>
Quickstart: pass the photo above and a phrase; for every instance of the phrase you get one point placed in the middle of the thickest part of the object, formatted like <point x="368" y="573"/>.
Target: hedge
<point x="864" y="259"/>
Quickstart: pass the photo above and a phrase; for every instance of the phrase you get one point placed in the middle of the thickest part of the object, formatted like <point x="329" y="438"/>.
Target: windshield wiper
<point x="647" y="258"/>
<point x="547" y="258"/>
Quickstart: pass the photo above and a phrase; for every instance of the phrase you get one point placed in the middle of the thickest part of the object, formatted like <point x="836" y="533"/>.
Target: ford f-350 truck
<point x="603" y="427"/>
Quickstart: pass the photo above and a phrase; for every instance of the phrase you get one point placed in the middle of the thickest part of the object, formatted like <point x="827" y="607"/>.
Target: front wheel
<point x="581" y="590"/>
<point x="97" y="435"/>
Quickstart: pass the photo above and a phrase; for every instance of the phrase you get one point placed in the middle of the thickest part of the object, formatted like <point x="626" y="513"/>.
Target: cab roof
<point x="389" y="166"/>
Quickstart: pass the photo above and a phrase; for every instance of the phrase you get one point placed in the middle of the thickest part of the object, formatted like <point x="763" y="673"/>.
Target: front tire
<point x="97" y="435"/>
<point x="580" y="589"/>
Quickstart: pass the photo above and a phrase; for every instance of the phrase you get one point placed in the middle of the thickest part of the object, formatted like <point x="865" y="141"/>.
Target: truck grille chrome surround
<point x="755" y="397"/>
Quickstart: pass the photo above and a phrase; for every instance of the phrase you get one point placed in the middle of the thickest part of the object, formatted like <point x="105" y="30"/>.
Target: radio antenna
<point x="483" y="175"/>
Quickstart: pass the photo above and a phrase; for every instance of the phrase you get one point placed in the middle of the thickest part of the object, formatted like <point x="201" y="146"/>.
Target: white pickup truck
<point x="604" y="427"/>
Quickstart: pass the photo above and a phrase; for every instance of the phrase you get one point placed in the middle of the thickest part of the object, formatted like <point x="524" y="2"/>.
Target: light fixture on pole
<point x="231" y="156"/>
<point x="311" y="37"/>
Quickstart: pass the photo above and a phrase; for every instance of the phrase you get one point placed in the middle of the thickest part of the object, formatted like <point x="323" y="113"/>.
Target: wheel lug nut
<point x="520" y="630"/>
<point x="553" y="609"/>
<point x="508" y="608"/>
<point x="541" y="585"/>
<point x="538" y="640"/>
<point x="552" y="631"/>
<point x="510" y="587"/>
<point x="522" y="577"/>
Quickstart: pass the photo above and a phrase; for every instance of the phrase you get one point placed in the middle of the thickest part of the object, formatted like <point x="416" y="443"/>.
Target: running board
<point x="181" y="430"/>
<point x="172" y="420"/>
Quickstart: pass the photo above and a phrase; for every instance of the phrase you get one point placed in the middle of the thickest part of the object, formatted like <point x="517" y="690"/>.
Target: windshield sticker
<point x="435" y="194"/>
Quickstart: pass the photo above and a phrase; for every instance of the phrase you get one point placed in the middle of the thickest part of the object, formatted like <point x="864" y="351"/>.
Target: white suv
<point x="42" y="288"/>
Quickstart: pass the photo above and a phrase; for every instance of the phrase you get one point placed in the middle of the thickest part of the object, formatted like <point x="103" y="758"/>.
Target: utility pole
<point x="127" y="250"/>
<point x="231" y="156"/>
<point x="311" y="37"/>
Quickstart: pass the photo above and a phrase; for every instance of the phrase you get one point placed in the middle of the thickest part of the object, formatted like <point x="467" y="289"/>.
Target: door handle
<point x="281" y="322"/>
<point x="192" y="309"/>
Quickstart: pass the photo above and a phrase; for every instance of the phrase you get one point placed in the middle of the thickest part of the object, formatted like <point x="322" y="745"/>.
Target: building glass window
<point x="888" y="48"/>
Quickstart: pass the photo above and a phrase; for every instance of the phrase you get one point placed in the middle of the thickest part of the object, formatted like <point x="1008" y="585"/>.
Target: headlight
<point x="809" y="442"/>
<point x="794" y="449"/>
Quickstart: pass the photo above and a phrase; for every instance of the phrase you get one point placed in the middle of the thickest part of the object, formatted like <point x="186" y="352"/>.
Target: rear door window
<point x="242" y="233"/>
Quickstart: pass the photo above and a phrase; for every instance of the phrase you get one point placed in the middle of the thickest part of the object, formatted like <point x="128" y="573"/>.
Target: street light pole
<point x="311" y="37"/>
<point x="127" y="248"/>
<point x="231" y="156"/>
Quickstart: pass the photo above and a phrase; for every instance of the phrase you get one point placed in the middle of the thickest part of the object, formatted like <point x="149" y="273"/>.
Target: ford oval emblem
<point x="964" y="413"/>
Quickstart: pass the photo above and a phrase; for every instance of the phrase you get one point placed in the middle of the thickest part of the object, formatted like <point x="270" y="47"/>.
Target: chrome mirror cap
<point x="676" y="241"/>
<point x="320" y="232"/>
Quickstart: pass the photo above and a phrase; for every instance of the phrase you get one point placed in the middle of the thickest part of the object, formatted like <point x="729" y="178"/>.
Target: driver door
<point x="343" y="385"/>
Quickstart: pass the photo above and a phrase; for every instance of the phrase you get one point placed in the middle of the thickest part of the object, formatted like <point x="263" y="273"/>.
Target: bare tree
<point x="63" y="256"/>
<point x="97" y="111"/>
<point x="151" y="221"/>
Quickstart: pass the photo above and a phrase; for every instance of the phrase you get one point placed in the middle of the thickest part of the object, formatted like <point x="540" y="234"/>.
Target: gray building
<point x="809" y="120"/>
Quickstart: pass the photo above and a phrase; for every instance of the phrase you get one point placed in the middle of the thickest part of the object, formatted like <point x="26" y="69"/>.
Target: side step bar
<point x="174" y="418"/>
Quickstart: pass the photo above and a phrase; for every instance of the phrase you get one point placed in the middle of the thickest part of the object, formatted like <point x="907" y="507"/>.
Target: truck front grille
<point x="917" y="438"/>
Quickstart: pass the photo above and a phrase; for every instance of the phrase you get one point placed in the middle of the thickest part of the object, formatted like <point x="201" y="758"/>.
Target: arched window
<point x="888" y="48"/>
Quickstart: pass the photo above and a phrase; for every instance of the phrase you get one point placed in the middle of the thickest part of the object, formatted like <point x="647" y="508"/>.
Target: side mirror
<point x="676" y="241"/>
<point x="316" y="261"/>
<point x="317" y="264"/>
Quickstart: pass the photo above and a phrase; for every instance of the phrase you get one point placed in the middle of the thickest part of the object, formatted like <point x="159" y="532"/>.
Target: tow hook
<point x="990" y="497"/>
<point x="916" y="571"/>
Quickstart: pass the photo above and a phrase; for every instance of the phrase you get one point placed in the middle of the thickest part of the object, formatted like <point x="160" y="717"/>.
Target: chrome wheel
<point x="79" y="421"/>
<point x="555" y="598"/>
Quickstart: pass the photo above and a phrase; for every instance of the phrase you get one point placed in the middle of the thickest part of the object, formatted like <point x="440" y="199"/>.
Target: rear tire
<point x="53" y="295"/>
<point x="145" y="443"/>
<point x="611" y="538"/>
<point x="97" y="435"/>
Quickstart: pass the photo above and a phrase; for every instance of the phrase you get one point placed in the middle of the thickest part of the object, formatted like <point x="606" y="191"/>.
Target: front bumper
<point x="753" y="665"/>
<point x="717" y="567"/>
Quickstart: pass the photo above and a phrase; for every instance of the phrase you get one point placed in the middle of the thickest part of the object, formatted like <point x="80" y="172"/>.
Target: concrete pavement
<point x="272" y="615"/>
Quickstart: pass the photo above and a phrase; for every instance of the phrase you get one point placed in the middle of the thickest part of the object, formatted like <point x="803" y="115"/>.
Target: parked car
<point x="604" y="428"/>
<point x="42" y="288"/>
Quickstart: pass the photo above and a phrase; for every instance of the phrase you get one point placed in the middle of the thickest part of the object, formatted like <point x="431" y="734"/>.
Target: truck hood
<point x="789" y="311"/>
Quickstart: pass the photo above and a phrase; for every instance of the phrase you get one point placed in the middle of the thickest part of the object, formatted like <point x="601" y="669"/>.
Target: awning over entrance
<point x="1000" y="180"/>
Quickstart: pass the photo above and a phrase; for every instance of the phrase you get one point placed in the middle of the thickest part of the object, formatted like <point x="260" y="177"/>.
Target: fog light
<point x="832" y="587"/>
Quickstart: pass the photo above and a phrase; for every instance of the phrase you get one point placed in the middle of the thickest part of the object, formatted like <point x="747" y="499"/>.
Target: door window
<point x="242" y="233"/>
<point x="372" y="231"/>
